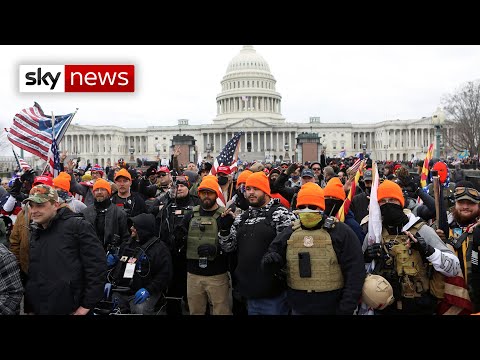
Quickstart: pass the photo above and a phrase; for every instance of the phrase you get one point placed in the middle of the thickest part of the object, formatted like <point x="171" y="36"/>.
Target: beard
<point x="259" y="202"/>
<point x="465" y="219"/>
<point x="208" y="203"/>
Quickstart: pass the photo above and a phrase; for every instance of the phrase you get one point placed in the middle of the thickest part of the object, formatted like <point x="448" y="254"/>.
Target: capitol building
<point x="248" y="102"/>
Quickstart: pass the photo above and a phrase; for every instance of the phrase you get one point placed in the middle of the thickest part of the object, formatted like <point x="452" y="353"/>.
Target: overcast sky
<point x="358" y="84"/>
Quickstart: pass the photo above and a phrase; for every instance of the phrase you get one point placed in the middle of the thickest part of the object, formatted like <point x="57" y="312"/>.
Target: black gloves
<point x="272" y="260"/>
<point x="372" y="252"/>
<point x="28" y="175"/>
<point x="225" y="223"/>
<point x="422" y="246"/>
<point x="206" y="250"/>
<point x="291" y="169"/>
<point x="16" y="187"/>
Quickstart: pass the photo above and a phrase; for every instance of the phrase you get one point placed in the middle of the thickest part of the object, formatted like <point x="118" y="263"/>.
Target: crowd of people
<point x="256" y="239"/>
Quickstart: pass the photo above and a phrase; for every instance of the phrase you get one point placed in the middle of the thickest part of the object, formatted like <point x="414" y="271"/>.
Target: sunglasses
<point x="311" y="207"/>
<point x="284" y="167"/>
<point x="316" y="169"/>
<point x="162" y="174"/>
<point x="473" y="193"/>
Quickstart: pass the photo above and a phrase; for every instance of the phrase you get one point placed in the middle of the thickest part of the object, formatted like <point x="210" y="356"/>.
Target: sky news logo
<point x="76" y="78"/>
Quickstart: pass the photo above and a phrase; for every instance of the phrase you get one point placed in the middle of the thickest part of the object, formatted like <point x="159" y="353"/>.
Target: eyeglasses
<point x="461" y="191"/>
<point x="315" y="169"/>
<point x="311" y="207"/>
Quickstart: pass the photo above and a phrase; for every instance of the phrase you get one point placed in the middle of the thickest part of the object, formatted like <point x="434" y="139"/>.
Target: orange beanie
<point x="123" y="172"/>
<point x="103" y="184"/>
<point x="209" y="182"/>
<point x="242" y="178"/>
<point x="62" y="181"/>
<point x="260" y="181"/>
<point x="390" y="189"/>
<point x="334" y="189"/>
<point x="311" y="194"/>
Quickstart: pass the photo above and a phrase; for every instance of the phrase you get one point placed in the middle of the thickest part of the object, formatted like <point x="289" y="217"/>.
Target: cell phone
<point x="304" y="265"/>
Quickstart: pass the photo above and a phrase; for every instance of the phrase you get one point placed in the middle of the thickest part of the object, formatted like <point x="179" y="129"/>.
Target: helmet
<point x="377" y="292"/>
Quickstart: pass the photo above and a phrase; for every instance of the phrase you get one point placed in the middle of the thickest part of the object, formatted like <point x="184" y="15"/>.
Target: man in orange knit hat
<point x="62" y="184"/>
<point x="334" y="199"/>
<point x="131" y="202"/>
<point x="250" y="236"/>
<point x="109" y="220"/>
<point x="239" y="198"/>
<point x="207" y="266"/>
<point x="403" y="255"/>
<point x="308" y="247"/>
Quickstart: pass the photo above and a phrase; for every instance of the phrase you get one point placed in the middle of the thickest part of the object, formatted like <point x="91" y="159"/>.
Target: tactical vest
<point x="202" y="230"/>
<point x="407" y="263"/>
<point x="321" y="261"/>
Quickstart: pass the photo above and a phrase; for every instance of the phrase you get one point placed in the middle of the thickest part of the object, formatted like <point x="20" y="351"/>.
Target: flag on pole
<point x="54" y="159"/>
<point x="424" y="175"/>
<point x="22" y="164"/>
<point x="227" y="157"/>
<point x="343" y="211"/>
<point x="32" y="130"/>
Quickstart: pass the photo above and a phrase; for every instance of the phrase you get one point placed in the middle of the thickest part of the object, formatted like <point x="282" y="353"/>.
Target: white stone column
<point x="264" y="140"/>
<point x="271" y="139"/>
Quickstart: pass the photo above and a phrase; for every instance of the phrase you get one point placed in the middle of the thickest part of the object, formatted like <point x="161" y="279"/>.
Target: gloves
<point x="226" y="222"/>
<point x="373" y="252"/>
<point x="206" y="250"/>
<point x="140" y="296"/>
<point x="422" y="246"/>
<point x="272" y="260"/>
<point x="16" y="187"/>
<point x="291" y="169"/>
<point x="111" y="259"/>
<point x="28" y="175"/>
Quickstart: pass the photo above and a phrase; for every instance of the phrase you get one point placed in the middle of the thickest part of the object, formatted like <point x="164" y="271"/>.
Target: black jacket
<point x="153" y="270"/>
<point x="67" y="265"/>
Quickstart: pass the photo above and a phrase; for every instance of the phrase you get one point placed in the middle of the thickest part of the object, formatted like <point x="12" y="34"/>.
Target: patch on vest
<point x="308" y="241"/>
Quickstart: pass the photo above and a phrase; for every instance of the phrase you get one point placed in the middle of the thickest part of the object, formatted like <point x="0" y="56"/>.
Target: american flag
<point x="54" y="159"/>
<point x="227" y="157"/>
<point x="32" y="130"/>
<point x="22" y="164"/>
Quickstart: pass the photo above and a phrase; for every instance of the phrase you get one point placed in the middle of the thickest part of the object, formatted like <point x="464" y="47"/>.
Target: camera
<point x="329" y="222"/>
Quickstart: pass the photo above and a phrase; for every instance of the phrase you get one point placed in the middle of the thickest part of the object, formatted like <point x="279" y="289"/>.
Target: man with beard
<point x="250" y="235"/>
<point x="207" y="266"/>
<point x="465" y="236"/>
<point x="361" y="201"/>
<point x="168" y="223"/>
<point x="109" y="221"/>
<point x="405" y="256"/>
<point x="325" y="266"/>
<point x="334" y="199"/>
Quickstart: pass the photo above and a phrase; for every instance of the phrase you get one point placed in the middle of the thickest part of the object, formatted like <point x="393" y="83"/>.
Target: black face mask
<point x="241" y="202"/>
<point x="393" y="215"/>
<point x="332" y="204"/>
<point x="222" y="180"/>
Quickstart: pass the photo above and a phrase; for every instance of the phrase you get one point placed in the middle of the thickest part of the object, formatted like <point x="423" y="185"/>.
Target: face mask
<point x="62" y="194"/>
<point x="393" y="215"/>
<point x="332" y="204"/>
<point x="310" y="219"/>
<point x="295" y="177"/>
<point x="222" y="180"/>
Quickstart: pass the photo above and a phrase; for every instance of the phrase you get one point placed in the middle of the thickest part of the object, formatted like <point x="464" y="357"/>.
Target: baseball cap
<point x="41" y="194"/>
<point x="224" y="169"/>
<point x="367" y="175"/>
<point x="307" y="173"/>
<point x="164" y="169"/>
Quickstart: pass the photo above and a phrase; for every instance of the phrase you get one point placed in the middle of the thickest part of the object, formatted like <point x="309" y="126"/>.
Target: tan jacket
<point x="19" y="239"/>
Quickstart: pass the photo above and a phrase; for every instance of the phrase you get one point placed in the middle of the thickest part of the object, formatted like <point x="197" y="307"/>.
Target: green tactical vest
<point x="326" y="274"/>
<point x="408" y="264"/>
<point x="202" y="230"/>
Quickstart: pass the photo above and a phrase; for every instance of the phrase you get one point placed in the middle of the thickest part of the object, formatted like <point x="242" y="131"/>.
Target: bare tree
<point x="463" y="110"/>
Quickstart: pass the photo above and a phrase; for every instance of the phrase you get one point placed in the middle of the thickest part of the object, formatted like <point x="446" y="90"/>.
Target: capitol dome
<point x="248" y="59"/>
<point x="248" y="90"/>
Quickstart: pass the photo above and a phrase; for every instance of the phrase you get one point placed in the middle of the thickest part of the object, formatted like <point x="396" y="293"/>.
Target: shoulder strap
<point x="417" y="226"/>
<point x="196" y="210"/>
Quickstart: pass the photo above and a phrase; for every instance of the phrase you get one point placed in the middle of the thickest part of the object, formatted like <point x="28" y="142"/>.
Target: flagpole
<point x="68" y="124"/>
<point x="16" y="158"/>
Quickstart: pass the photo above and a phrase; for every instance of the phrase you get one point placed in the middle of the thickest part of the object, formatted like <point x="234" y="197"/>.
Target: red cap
<point x="224" y="169"/>
<point x="46" y="180"/>
<point x="164" y="169"/>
